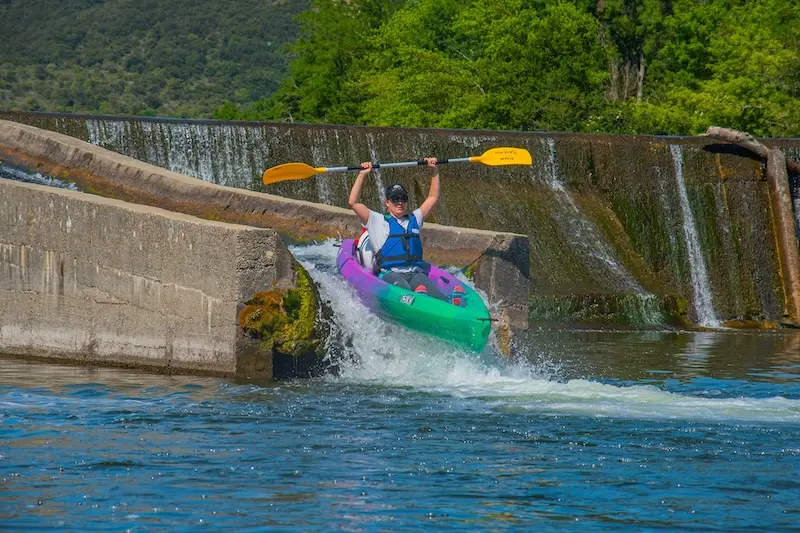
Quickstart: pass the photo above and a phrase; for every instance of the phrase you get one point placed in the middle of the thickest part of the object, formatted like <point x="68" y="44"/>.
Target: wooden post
<point x="782" y="214"/>
<point x="783" y="222"/>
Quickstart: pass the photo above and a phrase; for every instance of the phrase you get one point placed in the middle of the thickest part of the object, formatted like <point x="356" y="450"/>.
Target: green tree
<point x="723" y="62"/>
<point x="133" y="51"/>
<point x="632" y="30"/>
<point x="328" y="59"/>
<point x="487" y="64"/>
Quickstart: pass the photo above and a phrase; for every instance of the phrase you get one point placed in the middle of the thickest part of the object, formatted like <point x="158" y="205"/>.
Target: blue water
<point x="586" y="431"/>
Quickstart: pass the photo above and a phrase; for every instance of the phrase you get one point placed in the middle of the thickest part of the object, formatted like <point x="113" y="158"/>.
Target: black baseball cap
<point x="396" y="191"/>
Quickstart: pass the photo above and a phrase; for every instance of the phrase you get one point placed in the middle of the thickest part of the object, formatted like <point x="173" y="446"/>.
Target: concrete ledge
<point x="86" y="278"/>
<point x="501" y="261"/>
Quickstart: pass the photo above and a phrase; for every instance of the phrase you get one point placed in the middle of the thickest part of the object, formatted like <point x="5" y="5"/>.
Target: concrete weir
<point x="106" y="280"/>
<point x="97" y="280"/>
<point x="500" y="261"/>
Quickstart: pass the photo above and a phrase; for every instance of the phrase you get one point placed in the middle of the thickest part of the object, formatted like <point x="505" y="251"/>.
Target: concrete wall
<point x="502" y="260"/>
<point x="87" y="278"/>
<point x="606" y="215"/>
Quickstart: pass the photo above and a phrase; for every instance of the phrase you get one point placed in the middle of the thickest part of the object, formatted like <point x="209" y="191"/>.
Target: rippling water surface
<point x="588" y="431"/>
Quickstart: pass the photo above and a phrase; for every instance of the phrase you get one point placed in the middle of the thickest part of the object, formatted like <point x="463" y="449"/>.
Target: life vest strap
<point x="405" y="237"/>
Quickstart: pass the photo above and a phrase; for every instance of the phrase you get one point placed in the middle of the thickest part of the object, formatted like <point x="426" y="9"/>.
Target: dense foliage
<point x="636" y="66"/>
<point x="166" y="57"/>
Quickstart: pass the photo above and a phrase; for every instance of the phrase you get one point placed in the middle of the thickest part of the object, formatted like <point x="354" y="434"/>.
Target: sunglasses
<point x="399" y="199"/>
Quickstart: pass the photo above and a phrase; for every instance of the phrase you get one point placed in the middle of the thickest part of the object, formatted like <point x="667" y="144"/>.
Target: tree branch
<point x="747" y="141"/>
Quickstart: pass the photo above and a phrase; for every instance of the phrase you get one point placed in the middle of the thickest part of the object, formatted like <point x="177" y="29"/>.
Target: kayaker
<point x="394" y="238"/>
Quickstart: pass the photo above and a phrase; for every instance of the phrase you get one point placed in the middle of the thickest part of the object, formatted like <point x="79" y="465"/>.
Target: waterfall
<point x="319" y="154"/>
<point x="701" y="289"/>
<point x="228" y="155"/>
<point x="584" y="234"/>
<point x="237" y="153"/>
<point x="108" y="134"/>
<point x="373" y="154"/>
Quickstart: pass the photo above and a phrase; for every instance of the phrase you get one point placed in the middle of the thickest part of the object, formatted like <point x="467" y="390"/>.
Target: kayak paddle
<point x="493" y="158"/>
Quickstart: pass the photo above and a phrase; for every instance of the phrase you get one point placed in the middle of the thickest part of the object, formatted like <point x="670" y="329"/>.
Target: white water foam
<point x="590" y="398"/>
<point x="227" y="155"/>
<point x="701" y="288"/>
<point x="390" y="356"/>
<point x="34" y="177"/>
<point x="387" y="352"/>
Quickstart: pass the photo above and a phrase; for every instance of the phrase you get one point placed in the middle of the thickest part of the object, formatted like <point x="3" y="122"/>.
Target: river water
<point x="586" y="431"/>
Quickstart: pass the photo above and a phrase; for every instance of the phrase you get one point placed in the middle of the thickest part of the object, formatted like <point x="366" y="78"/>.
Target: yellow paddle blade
<point x="289" y="171"/>
<point x="503" y="156"/>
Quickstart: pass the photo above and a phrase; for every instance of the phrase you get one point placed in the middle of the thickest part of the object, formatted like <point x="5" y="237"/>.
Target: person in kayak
<point x="394" y="238"/>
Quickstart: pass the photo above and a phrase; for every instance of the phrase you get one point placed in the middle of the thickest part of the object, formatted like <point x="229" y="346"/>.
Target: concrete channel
<point x="114" y="278"/>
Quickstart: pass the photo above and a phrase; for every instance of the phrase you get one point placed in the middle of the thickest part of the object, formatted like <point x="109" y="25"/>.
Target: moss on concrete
<point x="625" y="186"/>
<point x="609" y="310"/>
<point x="469" y="272"/>
<point x="285" y="322"/>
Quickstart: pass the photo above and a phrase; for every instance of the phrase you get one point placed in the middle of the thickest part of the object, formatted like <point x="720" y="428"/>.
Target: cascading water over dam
<point x="605" y="214"/>
<point x="603" y="428"/>
<point x="701" y="291"/>
<point x="582" y="233"/>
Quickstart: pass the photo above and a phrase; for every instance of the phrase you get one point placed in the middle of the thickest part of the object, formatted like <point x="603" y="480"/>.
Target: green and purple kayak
<point x="467" y="325"/>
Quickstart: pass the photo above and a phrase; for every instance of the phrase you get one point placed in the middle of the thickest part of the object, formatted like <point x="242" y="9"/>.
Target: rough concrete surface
<point x="87" y="278"/>
<point x="504" y="276"/>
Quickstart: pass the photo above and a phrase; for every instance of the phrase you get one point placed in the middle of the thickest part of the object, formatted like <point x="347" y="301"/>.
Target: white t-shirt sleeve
<point x="418" y="213"/>
<point x="378" y="230"/>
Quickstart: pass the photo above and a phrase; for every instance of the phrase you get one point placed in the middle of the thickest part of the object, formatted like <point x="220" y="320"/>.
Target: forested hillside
<point x="629" y="66"/>
<point x="632" y="66"/>
<point x="164" y="57"/>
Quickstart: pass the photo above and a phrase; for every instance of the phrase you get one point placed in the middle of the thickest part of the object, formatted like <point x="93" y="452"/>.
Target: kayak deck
<point x="467" y="326"/>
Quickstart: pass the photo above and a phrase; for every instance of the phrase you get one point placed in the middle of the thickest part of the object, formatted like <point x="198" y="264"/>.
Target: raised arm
<point x="355" y="194"/>
<point x="433" y="193"/>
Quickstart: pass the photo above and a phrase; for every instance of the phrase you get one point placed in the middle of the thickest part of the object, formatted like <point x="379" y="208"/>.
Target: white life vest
<point x="364" y="251"/>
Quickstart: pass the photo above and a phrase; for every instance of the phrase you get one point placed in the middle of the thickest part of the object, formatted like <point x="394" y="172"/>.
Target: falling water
<point x="584" y="234"/>
<point x="373" y="154"/>
<point x="105" y="133"/>
<point x="319" y="153"/>
<point x="225" y="155"/>
<point x="701" y="290"/>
